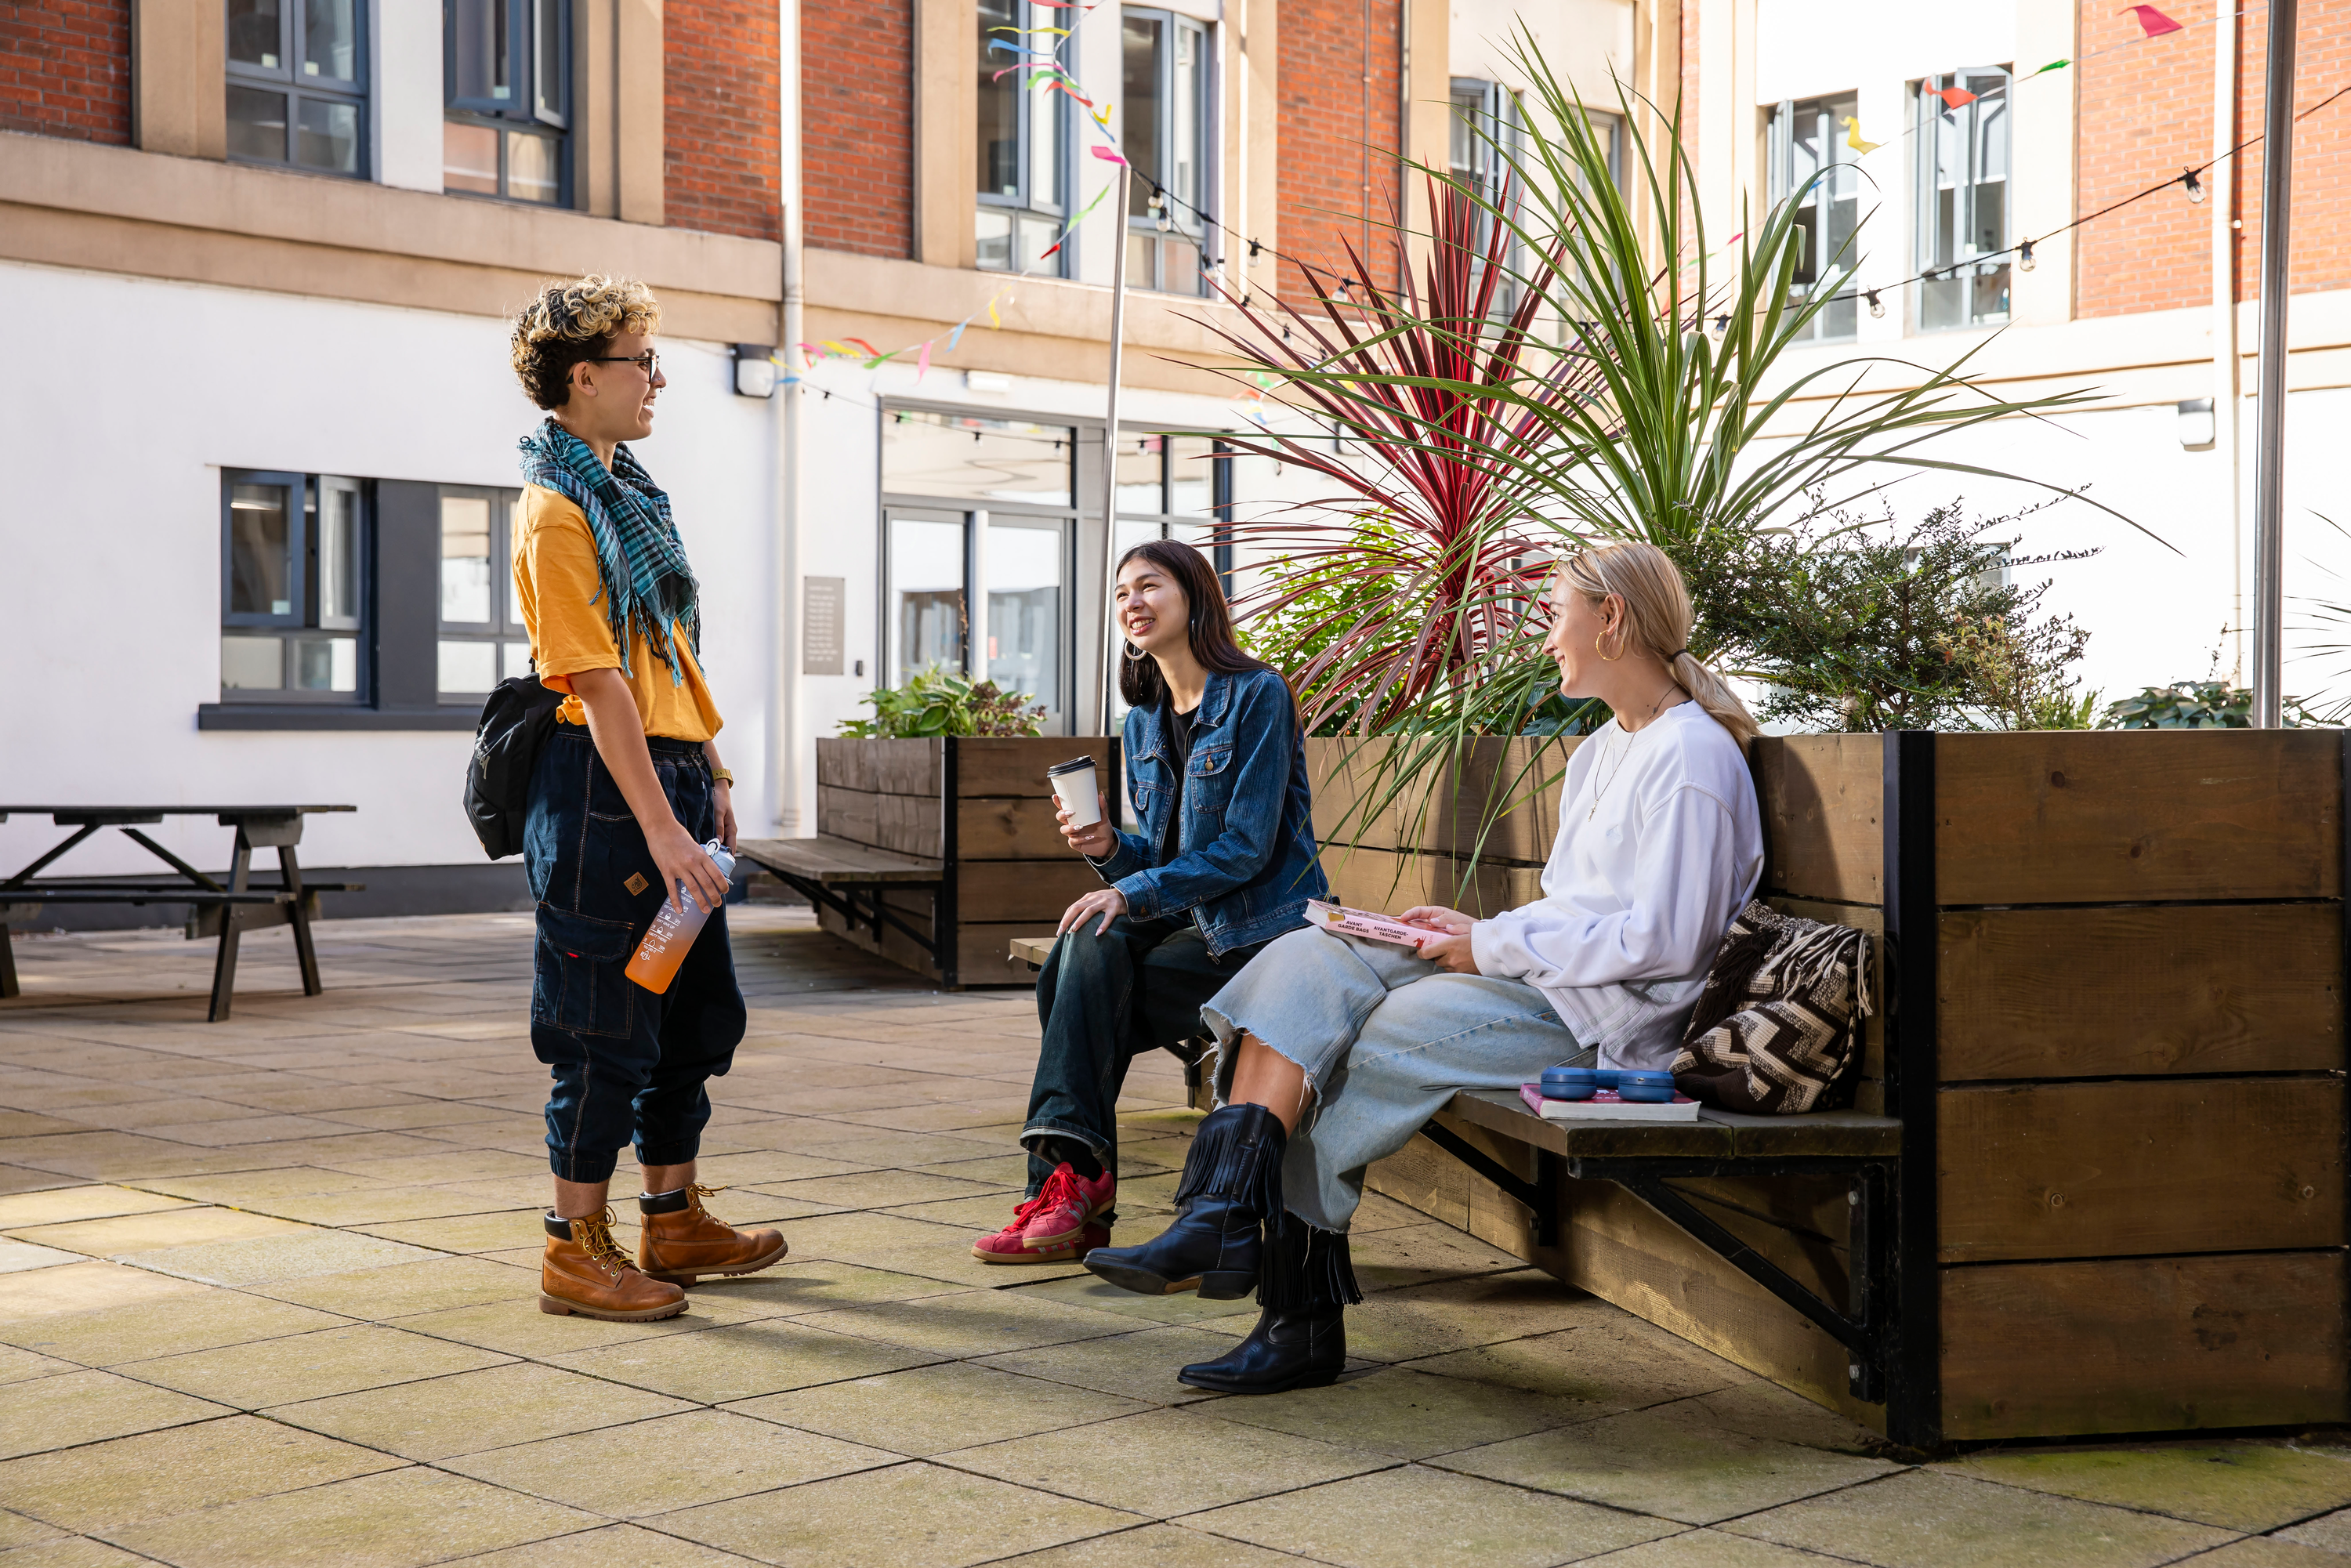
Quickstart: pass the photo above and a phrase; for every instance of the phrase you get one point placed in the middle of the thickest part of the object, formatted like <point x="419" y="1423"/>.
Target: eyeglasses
<point x="649" y="361"/>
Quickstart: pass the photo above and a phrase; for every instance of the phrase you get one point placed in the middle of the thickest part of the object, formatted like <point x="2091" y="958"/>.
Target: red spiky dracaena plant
<point x="1419" y="581"/>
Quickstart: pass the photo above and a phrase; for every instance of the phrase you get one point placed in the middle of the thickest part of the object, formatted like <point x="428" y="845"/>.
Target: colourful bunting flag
<point x="1106" y="154"/>
<point x="2051" y="65"/>
<point x="1956" y="97"/>
<point x="2156" y="23"/>
<point x="1853" y="137"/>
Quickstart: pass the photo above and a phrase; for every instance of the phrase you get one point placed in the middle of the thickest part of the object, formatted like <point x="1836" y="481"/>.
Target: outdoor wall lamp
<point x="754" y="368"/>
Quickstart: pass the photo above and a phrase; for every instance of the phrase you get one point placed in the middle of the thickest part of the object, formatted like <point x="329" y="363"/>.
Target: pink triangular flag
<point x="922" y="364"/>
<point x="2156" y="23"/>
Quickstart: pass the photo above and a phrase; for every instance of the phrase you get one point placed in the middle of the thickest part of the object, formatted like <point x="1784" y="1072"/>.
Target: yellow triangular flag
<point x="1853" y="137"/>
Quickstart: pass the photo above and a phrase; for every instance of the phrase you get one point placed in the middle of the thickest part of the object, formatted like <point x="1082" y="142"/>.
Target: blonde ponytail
<point x="1657" y="620"/>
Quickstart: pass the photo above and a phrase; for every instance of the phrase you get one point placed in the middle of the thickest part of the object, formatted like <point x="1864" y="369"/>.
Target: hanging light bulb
<point x="1877" y="306"/>
<point x="2025" y="261"/>
<point x="2195" y="186"/>
<point x="1722" y="325"/>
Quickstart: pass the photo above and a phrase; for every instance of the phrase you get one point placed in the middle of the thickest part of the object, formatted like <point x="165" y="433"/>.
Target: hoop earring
<point x="1134" y="656"/>
<point x="1608" y="658"/>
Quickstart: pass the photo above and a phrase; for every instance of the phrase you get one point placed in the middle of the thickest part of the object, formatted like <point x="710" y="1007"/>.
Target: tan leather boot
<point x="584" y="1270"/>
<point x="680" y="1240"/>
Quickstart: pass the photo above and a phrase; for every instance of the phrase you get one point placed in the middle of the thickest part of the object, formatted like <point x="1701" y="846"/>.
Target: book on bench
<point x="1604" y="1106"/>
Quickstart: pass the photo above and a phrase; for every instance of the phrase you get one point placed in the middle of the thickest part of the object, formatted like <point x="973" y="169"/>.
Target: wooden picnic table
<point x="226" y="909"/>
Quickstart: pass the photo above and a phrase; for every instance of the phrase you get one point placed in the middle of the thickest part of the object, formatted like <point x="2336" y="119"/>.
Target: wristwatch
<point x="722" y="775"/>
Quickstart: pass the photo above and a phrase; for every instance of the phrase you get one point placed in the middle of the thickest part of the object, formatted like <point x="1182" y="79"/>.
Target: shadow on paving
<point x="270" y="1296"/>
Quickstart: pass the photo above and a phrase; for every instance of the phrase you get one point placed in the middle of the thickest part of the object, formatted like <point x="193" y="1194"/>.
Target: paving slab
<point x="669" y="1463"/>
<point x="41" y="1414"/>
<point x="194" y="1320"/>
<point x="470" y="1411"/>
<point x="1919" y="1519"/>
<point x="930" y="1409"/>
<point x="340" y="1360"/>
<point x="728" y="1362"/>
<point x="158" y="1474"/>
<point x="1416" y="1517"/>
<point x="2250" y="1486"/>
<point x="914" y="1515"/>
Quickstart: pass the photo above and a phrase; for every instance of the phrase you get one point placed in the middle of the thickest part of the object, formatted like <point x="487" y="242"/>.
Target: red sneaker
<point x="1065" y="1203"/>
<point x="1013" y="1244"/>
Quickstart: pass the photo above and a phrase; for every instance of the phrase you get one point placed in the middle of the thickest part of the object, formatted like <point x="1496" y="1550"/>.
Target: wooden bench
<point x="835" y="873"/>
<point x="1033" y="951"/>
<point x="226" y="911"/>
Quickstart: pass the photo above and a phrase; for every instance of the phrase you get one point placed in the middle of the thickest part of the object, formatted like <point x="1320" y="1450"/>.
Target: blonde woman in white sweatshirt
<point x="1332" y="1051"/>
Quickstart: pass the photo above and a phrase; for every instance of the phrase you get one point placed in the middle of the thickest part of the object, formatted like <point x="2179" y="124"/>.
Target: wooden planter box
<point x="984" y="811"/>
<point x="2116" y="967"/>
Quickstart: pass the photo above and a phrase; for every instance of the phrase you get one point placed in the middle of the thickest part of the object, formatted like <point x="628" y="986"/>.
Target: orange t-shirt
<point x="557" y="585"/>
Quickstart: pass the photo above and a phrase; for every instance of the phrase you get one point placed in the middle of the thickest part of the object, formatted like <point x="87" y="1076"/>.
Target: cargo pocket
<point x="579" y="982"/>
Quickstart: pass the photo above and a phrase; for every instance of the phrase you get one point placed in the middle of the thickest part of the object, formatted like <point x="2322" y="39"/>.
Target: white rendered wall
<point x="134" y="394"/>
<point x="407" y="99"/>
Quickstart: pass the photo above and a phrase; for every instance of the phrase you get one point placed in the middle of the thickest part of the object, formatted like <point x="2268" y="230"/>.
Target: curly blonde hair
<point x="575" y="321"/>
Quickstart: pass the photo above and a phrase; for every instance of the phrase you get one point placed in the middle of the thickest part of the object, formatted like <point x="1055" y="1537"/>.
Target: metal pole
<point x="1110" y="445"/>
<point x="2269" y="494"/>
<point x="787" y="710"/>
<point x="2226" y="379"/>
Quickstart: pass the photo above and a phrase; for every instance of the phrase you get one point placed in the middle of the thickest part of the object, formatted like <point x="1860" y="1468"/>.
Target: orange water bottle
<point x="676" y="925"/>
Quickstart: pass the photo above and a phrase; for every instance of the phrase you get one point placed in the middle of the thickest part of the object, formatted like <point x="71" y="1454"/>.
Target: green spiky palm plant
<point x="1662" y="412"/>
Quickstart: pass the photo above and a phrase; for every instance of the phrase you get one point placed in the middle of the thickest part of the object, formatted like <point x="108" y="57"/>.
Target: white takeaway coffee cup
<point x="1080" y="796"/>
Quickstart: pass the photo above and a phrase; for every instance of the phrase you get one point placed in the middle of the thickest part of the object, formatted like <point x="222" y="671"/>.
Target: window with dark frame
<point x="1812" y="159"/>
<point x="481" y="638"/>
<point x="1482" y="134"/>
<point x="1174" y="487"/>
<point x="298" y="75"/>
<point x="508" y="86"/>
<point x="1962" y="182"/>
<point x="295" y="587"/>
<point x="1166" y="134"/>
<point x="1024" y="145"/>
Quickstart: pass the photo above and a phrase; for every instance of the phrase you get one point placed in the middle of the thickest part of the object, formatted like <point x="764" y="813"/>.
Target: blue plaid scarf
<point x="647" y="584"/>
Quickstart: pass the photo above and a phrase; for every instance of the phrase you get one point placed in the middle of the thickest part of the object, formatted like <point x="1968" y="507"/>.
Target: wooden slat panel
<point x="840" y="762"/>
<point x="854" y="814"/>
<point x="1505" y="798"/>
<point x="1625" y="1252"/>
<point x="904" y="766"/>
<point x="994" y="892"/>
<point x="2084" y="817"/>
<point x="1821" y="796"/>
<point x="995" y="766"/>
<point x="2149" y="1344"/>
<point x="1009" y="828"/>
<point x="2114" y="1169"/>
<point x="1338" y="770"/>
<point x="1382" y="879"/>
<point x="2088" y="993"/>
<point x="983" y="954"/>
<point x="910" y="824"/>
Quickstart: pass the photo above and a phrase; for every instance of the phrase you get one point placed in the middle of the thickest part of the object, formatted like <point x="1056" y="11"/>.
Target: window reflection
<point x="926" y="594"/>
<point x="261" y="568"/>
<point x="465" y="565"/>
<point x="1141" y="475"/>
<point x="1024" y="609"/>
<point x="973" y="458"/>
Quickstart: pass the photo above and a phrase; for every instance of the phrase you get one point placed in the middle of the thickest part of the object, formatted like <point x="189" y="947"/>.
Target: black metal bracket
<point x="844" y="902"/>
<point x="1541" y="1195"/>
<point x="1864" y="1327"/>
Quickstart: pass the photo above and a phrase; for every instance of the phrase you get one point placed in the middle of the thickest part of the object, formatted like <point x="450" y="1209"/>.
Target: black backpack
<point x="516" y="719"/>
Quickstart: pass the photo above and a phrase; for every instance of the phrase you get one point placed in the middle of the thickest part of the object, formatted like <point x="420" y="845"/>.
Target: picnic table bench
<point x="836" y="874"/>
<point x="227" y="909"/>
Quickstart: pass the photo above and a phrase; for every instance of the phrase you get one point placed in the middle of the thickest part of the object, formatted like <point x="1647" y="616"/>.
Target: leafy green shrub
<point x="2197" y="704"/>
<point x="1854" y="626"/>
<point x="937" y="701"/>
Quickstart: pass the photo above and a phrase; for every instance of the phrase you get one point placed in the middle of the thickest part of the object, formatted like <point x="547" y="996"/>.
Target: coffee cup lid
<point x="1071" y="765"/>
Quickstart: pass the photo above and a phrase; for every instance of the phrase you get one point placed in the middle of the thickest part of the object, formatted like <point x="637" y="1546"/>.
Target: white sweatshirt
<point x="1660" y="845"/>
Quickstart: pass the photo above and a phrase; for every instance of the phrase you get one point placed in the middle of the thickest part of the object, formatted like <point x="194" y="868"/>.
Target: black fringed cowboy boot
<point x="1232" y="1184"/>
<point x="1300" y="1338"/>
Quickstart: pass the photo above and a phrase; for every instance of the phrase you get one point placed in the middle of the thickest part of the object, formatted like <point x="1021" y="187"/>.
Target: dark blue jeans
<point x="628" y="1065"/>
<point x="1104" y="1000"/>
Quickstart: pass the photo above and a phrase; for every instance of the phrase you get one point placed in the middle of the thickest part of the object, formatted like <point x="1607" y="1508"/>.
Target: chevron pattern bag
<point x="1779" y="1021"/>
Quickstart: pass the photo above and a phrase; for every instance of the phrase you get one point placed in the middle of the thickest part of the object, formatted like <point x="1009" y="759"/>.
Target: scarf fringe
<point x="1307" y="1271"/>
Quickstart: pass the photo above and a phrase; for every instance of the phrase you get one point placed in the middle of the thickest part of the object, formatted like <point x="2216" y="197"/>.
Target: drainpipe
<point x="2269" y="499"/>
<point x="788" y="706"/>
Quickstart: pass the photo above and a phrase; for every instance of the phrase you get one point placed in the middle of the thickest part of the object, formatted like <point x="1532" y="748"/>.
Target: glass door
<point x="925" y="614"/>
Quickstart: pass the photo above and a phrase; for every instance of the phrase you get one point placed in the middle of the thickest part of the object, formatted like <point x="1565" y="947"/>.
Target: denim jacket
<point x="1245" y="863"/>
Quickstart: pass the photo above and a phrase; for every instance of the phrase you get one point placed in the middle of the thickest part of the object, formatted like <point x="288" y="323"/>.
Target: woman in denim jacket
<point x="1224" y="863"/>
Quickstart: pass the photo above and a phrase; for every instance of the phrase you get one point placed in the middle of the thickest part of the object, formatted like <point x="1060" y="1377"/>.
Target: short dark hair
<point x="1211" y="620"/>
<point x="570" y="323"/>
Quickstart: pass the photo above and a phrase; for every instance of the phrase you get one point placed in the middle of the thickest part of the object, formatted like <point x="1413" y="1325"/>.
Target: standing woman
<point x="1332" y="1051"/>
<point x="625" y="793"/>
<point x="1225" y="862"/>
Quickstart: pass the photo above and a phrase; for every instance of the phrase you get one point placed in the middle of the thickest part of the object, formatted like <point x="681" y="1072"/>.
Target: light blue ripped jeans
<point x="1384" y="1038"/>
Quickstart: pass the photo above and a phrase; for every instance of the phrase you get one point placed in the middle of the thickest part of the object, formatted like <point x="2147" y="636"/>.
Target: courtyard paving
<point x="267" y="1296"/>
